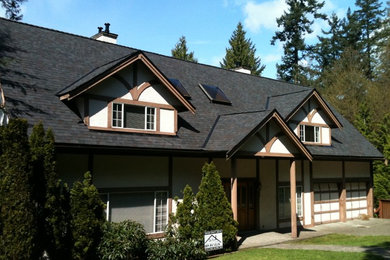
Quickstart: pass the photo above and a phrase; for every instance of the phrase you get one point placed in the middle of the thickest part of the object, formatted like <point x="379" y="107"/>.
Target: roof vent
<point x="106" y="35"/>
<point x="242" y="70"/>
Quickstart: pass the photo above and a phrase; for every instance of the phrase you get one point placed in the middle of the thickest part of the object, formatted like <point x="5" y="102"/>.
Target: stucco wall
<point x="267" y="194"/>
<point x="130" y="171"/>
<point x="167" y="120"/>
<point x="71" y="167"/>
<point x="98" y="113"/>
<point x="186" y="171"/>
<point x="327" y="169"/>
<point x="357" y="169"/>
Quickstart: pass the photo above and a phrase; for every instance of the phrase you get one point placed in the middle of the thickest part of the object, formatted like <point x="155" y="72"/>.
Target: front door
<point x="246" y="193"/>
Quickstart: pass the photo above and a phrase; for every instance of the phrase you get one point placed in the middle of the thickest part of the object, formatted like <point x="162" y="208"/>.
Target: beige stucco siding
<point x="357" y="169"/>
<point x="186" y="171"/>
<point x="130" y="171"/>
<point x="98" y="113"/>
<point x="71" y="167"/>
<point x="284" y="171"/>
<point x="267" y="194"/>
<point x="327" y="169"/>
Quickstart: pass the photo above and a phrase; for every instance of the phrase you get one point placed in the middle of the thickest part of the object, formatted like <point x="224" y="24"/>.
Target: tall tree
<point x="370" y="16"/>
<point x="12" y="9"/>
<point x="295" y="25"/>
<point x="242" y="53"/>
<point x="181" y="51"/>
<point x="17" y="211"/>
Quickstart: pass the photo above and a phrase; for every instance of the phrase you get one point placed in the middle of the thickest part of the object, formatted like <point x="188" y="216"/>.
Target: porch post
<point x="343" y="197"/>
<point x="370" y="195"/>
<point x="293" y="200"/>
<point x="233" y="186"/>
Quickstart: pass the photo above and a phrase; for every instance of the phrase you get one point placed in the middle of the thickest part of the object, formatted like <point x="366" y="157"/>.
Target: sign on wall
<point x="213" y="240"/>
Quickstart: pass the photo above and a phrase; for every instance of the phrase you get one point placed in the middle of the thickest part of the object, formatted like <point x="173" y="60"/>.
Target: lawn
<point x="349" y="240"/>
<point x="269" y="253"/>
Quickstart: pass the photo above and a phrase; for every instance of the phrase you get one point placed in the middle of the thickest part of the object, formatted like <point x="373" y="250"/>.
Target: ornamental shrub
<point x="185" y="218"/>
<point x="124" y="240"/>
<point x="213" y="211"/>
<point x="87" y="218"/>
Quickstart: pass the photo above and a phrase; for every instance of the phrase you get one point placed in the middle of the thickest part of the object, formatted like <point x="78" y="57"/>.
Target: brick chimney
<point x="106" y="35"/>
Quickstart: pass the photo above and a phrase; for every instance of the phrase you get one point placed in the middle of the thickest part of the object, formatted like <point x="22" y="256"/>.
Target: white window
<point x="309" y="133"/>
<point x="284" y="201"/>
<point x="160" y="211"/>
<point x="133" y="117"/>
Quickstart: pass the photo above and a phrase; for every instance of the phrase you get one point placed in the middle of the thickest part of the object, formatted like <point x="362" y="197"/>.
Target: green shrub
<point x="185" y="218"/>
<point x="87" y="218"/>
<point x="125" y="240"/>
<point x="174" y="249"/>
<point x="213" y="211"/>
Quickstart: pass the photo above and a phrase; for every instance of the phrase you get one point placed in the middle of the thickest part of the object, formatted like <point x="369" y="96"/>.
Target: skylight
<point x="177" y="84"/>
<point x="215" y="94"/>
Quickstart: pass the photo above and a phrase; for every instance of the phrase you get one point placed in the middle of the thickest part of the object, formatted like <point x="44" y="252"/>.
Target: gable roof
<point x="41" y="63"/>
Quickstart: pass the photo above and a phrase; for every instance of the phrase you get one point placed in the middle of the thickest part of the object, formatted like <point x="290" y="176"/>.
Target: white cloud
<point x="263" y="14"/>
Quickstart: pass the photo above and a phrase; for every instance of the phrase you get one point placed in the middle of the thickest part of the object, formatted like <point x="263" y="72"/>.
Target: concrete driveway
<point x="371" y="227"/>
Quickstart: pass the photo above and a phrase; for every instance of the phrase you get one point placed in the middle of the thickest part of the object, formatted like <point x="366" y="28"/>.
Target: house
<point x="144" y="124"/>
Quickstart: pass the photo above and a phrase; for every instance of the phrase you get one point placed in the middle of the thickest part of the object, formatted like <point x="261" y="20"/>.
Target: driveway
<point x="371" y="227"/>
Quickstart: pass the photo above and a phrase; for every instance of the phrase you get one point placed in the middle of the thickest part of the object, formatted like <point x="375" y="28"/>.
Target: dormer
<point x="313" y="121"/>
<point x="131" y="95"/>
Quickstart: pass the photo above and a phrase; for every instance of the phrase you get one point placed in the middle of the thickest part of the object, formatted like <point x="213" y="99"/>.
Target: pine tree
<point x="181" y="51"/>
<point x="185" y="217"/>
<point x="214" y="211"/>
<point x="12" y="9"/>
<point x="17" y="210"/>
<point x="242" y="53"/>
<point x="86" y="218"/>
<point x="295" y="24"/>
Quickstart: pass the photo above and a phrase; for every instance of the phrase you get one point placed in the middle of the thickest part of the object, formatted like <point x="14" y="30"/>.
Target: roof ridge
<point x="289" y="93"/>
<point x="146" y="52"/>
<point x="245" y="112"/>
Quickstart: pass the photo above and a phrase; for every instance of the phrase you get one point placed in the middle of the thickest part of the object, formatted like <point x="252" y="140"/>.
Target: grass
<point x="259" y="253"/>
<point x="349" y="240"/>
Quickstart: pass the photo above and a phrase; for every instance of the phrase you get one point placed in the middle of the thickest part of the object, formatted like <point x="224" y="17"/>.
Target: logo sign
<point x="213" y="240"/>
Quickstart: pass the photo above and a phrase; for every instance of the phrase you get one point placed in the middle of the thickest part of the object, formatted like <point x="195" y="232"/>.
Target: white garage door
<point x="326" y="202"/>
<point x="356" y="199"/>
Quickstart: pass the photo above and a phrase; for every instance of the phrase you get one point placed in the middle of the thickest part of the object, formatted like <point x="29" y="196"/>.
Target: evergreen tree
<point x="17" y="210"/>
<point x="87" y="218"/>
<point x="56" y="207"/>
<point x="185" y="217"/>
<point x="363" y="122"/>
<point x="12" y="9"/>
<point x="214" y="211"/>
<point x="242" y="53"/>
<point x="369" y="14"/>
<point x="296" y="24"/>
<point x="181" y="51"/>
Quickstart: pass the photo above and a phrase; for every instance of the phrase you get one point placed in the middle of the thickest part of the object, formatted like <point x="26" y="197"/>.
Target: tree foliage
<point x="181" y="51"/>
<point x="12" y="9"/>
<point x="87" y="218"/>
<point x="185" y="217"/>
<point x="213" y="210"/>
<point x="295" y="24"/>
<point x="241" y="53"/>
<point x="18" y="231"/>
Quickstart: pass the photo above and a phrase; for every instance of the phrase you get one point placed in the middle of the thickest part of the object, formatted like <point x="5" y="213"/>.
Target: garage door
<point x="326" y="202"/>
<point x="356" y="199"/>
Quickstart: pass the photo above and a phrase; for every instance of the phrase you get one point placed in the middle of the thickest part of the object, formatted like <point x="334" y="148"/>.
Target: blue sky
<point x="157" y="25"/>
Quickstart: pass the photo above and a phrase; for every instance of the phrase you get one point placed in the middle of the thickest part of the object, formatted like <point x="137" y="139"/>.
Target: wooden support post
<point x="293" y="191"/>
<point x="370" y="194"/>
<point x="233" y="185"/>
<point x="343" y="197"/>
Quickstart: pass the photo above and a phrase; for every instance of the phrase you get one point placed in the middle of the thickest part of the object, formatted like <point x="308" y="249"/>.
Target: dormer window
<point x="133" y="117"/>
<point x="309" y="133"/>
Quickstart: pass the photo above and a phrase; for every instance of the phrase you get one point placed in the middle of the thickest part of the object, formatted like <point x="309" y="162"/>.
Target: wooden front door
<point x="246" y="193"/>
<point x="246" y="204"/>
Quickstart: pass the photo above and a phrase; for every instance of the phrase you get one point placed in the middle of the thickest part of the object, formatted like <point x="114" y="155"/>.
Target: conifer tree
<point x="242" y="53"/>
<point x="86" y="218"/>
<point x="17" y="210"/>
<point x="214" y="211"/>
<point x="295" y="23"/>
<point x="181" y="51"/>
<point x="185" y="214"/>
<point x="12" y="9"/>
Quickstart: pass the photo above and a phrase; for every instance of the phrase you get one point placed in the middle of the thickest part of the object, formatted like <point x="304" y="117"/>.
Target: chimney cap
<point x="107" y="30"/>
<point x="100" y="29"/>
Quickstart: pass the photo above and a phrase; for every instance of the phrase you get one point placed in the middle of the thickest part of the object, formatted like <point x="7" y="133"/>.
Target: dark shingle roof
<point x="38" y="63"/>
